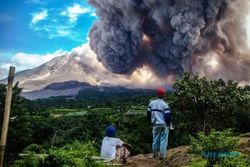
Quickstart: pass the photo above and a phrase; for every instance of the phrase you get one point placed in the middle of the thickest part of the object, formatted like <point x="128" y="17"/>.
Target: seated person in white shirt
<point x="112" y="147"/>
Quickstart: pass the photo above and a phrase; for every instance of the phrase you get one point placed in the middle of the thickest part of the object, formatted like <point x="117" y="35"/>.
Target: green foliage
<point x="34" y="148"/>
<point x="72" y="155"/>
<point x="29" y="160"/>
<point x="91" y="127"/>
<point x="20" y="130"/>
<point x="239" y="161"/>
<point x="201" y="105"/>
<point x="62" y="110"/>
<point x="198" y="162"/>
<point x="216" y="141"/>
<point x="76" y="154"/>
<point x="75" y="114"/>
<point x="196" y="103"/>
<point x="32" y="156"/>
<point x="217" y="148"/>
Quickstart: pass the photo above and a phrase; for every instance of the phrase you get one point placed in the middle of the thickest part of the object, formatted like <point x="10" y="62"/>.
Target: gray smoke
<point x="170" y="36"/>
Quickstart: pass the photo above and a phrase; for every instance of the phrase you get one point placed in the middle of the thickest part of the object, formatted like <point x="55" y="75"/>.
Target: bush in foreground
<point x="218" y="149"/>
<point x="76" y="154"/>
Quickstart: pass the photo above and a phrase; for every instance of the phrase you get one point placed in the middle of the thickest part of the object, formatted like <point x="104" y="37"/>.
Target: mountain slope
<point x="83" y="90"/>
<point x="67" y="88"/>
<point x="79" y="65"/>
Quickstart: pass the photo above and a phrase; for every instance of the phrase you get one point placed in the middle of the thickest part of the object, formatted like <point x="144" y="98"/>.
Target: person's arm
<point x="167" y="115"/>
<point x="149" y="113"/>
<point x="118" y="142"/>
<point x="127" y="145"/>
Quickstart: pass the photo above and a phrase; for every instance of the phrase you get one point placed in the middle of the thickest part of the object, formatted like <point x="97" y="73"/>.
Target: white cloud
<point x="57" y="30"/>
<point x="63" y="32"/>
<point x="97" y="75"/>
<point x="23" y="61"/>
<point x="57" y="22"/>
<point x="36" y="17"/>
<point x="64" y="13"/>
<point x="93" y="14"/>
<point x="4" y="70"/>
<point x="74" y="11"/>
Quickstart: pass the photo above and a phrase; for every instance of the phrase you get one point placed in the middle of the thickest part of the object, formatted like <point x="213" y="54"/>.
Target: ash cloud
<point x="172" y="36"/>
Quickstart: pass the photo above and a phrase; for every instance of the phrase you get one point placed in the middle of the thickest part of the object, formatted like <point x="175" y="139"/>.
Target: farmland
<point x="48" y="126"/>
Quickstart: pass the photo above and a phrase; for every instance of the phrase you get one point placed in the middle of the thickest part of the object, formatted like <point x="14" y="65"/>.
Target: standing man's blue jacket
<point x="159" y="113"/>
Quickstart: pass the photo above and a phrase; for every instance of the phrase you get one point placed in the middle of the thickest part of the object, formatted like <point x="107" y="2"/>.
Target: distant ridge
<point x="83" y="90"/>
<point x="67" y="85"/>
<point x="68" y="88"/>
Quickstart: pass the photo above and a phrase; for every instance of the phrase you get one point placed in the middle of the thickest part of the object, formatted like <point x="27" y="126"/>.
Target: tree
<point x="20" y="130"/>
<point x="201" y="105"/>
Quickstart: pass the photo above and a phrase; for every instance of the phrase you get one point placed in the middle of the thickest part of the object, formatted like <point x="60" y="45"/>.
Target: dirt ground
<point x="245" y="143"/>
<point x="176" y="157"/>
<point x="179" y="156"/>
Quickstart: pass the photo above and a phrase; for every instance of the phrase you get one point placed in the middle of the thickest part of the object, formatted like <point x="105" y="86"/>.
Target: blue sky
<point x="41" y="29"/>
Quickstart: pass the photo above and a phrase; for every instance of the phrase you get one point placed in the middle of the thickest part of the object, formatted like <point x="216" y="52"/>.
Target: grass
<point x="63" y="110"/>
<point x="80" y="113"/>
<point x="102" y="109"/>
<point x="58" y="112"/>
<point x="137" y="110"/>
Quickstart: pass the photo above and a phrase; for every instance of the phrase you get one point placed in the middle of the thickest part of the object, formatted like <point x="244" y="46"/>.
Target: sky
<point x="33" y="32"/>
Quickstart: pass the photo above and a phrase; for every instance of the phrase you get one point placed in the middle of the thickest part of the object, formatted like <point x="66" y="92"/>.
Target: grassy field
<point x="67" y="112"/>
<point x="62" y="110"/>
<point x="80" y="113"/>
<point x="58" y="112"/>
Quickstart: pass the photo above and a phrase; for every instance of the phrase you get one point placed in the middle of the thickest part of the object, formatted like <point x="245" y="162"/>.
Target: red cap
<point x="160" y="92"/>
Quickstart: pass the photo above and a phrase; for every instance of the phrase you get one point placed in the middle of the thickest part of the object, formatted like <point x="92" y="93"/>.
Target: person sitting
<point x="114" y="148"/>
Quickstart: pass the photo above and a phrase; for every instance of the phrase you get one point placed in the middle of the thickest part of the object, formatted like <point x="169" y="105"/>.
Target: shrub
<point x="198" y="162"/>
<point x="218" y="148"/>
<point x="32" y="156"/>
<point x="72" y="155"/>
<point x="75" y="154"/>
<point x="239" y="161"/>
<point x="29" y="160"/>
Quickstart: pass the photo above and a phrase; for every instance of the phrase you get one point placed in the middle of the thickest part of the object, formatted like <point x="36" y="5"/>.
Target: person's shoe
<point x="154" y="155"/>
<point x="124" y="161"/>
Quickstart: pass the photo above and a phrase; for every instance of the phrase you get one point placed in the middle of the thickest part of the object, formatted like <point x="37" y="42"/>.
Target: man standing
<point x="159" y="115"/>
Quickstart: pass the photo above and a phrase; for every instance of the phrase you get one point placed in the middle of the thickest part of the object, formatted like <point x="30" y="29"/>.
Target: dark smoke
<point x="171" y="36"/>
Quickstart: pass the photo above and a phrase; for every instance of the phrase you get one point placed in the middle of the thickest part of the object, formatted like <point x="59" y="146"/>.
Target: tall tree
<point x="201" y="105"/>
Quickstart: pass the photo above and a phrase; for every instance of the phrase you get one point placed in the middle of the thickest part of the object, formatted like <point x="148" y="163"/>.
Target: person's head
<point x="110" y="131"/>
<point x="160" y="92"/>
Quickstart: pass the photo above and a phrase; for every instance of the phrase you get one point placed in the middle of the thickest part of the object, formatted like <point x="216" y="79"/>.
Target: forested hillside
<point x="65" y="131"/>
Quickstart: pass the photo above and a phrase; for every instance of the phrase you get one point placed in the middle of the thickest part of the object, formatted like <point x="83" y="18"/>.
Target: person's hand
<point x="171" y="127"/>
<point x="128" y="146"/>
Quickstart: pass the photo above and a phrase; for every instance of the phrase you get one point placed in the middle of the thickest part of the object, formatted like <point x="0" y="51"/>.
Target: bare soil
<point x="176" y="157"/>
<point x="179" y="156"/>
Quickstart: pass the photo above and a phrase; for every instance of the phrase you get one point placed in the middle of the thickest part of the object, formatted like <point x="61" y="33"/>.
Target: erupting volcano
<point x="207" y="37"/>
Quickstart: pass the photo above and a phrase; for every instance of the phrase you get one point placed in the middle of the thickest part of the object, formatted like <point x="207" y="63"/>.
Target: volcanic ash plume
<point x="172" y="36"/>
